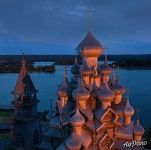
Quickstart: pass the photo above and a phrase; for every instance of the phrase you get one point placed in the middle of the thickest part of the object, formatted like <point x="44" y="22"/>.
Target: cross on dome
<point x="90" y="19"/>
<point x="105" y="55"/>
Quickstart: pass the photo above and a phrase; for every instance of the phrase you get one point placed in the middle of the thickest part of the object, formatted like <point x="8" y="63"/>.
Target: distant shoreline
<point x="123" y="61"/>
<point x="13" y="67"/>
<point x="58" y="58"/>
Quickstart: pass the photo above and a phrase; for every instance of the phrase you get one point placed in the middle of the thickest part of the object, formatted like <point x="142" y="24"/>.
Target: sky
<point x="58" y="26"/>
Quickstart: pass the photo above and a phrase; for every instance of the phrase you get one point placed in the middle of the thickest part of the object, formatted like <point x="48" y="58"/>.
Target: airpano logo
<point x="134" y="143"/>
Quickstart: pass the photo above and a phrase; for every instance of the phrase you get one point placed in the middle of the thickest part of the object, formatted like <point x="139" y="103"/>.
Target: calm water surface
<point x="138" y="82"/>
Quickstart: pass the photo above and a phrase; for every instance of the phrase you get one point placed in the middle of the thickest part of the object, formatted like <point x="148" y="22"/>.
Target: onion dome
<point x="85" y="69"/>
<point x="63" y="89"/>
<point x="105" y="93"/>
<point x="118" y="108"/>
<point x="81" y="93"/>
<point x="75" y="69"/>
<point x="104" y="69"/>
<point x="118" y="88"/>
<point x="89" y="46"/>
<point x="73" y="83"/>
<point x="73" y="143"/>
<point x="138" y="129"/>
<point x="128" y="109"/>
<point x="77" y="119"/>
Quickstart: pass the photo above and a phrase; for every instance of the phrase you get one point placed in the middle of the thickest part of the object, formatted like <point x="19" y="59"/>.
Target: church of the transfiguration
<point x="93" y="110"/>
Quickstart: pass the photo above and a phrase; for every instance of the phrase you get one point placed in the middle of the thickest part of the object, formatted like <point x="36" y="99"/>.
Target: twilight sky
<point x="57" y="26"/>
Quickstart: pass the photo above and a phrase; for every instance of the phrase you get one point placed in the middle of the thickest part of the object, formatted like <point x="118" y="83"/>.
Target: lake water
<point x="138" y="82"/>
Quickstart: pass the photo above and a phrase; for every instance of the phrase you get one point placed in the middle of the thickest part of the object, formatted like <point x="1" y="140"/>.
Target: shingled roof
<point x="24" y="83"/>
<point x="89" y="42"/>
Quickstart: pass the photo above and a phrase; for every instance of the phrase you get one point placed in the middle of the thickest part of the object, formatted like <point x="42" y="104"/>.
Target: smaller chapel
<point x="25" y="130"/>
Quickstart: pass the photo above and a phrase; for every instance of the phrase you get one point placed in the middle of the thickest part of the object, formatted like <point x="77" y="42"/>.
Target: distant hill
<point x="69" y="59"/>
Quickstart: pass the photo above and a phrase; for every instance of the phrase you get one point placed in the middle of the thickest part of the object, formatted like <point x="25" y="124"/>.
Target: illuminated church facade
<point x="93" y="110"/>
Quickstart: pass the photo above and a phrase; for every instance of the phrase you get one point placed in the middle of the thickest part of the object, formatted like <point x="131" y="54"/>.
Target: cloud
<point x="65" y="22"/>
<point x="15" y="45"/>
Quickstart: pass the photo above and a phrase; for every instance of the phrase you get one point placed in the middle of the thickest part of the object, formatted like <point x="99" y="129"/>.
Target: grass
<point x="5" y="136"/>
<point x="5" y="115"/>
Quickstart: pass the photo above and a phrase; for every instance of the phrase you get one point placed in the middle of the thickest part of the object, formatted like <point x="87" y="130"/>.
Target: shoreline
<point x="50" y="72"/>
